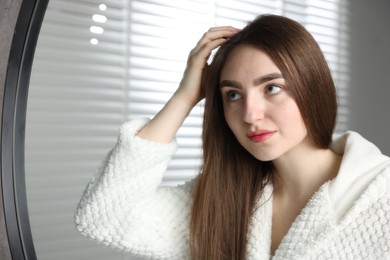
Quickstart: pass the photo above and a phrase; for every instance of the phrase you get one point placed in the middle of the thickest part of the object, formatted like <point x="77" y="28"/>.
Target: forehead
<point x="247" y="60"/>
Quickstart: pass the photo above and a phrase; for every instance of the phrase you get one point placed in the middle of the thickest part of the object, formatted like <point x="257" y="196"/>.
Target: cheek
<point x="228" y="117"/>
<point x="296" y="114"/>
<point x="231" y="116"/>
<point x="292" y="118"/>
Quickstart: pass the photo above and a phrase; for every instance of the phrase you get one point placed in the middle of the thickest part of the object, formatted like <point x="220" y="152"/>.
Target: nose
<point x="254" y="109"/>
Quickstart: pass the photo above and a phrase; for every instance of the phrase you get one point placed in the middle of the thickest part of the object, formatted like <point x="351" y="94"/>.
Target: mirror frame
<point x="13" y="186"/>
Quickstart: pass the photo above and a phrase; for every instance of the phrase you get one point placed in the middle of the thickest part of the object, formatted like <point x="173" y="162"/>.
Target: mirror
<point x="62" y="135"/>
<point x="16" y="240"/>
<point x="83" y="85"/>
<point x="70" y="118"/>
<point x="95" y="66"/>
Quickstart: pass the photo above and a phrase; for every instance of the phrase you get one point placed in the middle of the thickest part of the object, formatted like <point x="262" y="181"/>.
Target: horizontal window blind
<point x="327" y="21"/>
<point x="162" y="33"/>
<point x="75" y="105"/>
<point x="100" y="63"/>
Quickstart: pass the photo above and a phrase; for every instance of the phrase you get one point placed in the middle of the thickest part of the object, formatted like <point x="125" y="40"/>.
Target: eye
<point x="273" y="89"/>
<point x="233" y="95"/>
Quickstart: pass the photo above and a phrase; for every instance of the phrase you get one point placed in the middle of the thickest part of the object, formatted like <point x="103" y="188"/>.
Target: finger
<point x="219" y="32"/>
<point x="215" y="34"/>
<point x="205" y="50"/>
<point x="218" y="28"/>
<point x="210" y="40"/>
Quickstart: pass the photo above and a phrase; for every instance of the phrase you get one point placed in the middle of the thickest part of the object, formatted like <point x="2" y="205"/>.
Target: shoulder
<point x="374" y="200"/>
<point x="380" y="186"/>
<point x="363" y="230"/>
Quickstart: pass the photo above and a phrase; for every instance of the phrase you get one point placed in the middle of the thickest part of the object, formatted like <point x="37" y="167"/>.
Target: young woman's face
<point x="258" y="106"/>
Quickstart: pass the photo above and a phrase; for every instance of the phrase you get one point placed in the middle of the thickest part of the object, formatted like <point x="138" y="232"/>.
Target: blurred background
<point x="99" y="63"/>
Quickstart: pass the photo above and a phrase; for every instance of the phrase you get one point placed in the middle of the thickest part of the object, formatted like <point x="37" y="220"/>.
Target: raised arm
<point x="123" y="206"/>
<point x="164" y="126"/>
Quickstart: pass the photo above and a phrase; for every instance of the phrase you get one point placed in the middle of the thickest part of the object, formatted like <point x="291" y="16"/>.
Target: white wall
<point x="370" y="71"/>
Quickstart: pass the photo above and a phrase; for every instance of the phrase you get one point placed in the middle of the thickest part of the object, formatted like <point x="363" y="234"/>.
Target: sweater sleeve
<point x="124" y="207"/>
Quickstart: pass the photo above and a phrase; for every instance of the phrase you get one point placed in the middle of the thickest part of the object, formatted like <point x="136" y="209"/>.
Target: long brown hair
<point x="232" y="179"/>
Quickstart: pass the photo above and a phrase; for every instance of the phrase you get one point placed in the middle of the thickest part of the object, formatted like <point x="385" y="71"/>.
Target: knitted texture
<point x="125" y="208"/>
<point x="364" y="232"/>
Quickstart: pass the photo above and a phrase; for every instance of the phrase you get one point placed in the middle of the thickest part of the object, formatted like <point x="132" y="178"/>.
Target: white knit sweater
<point x="347" y="218"/>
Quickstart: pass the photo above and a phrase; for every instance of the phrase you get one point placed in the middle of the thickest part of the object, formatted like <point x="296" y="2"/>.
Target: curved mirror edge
<point x="13" y="128"/>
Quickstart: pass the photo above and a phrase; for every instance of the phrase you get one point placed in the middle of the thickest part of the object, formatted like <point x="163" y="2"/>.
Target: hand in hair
<point x="190" y="85"/>
<point x="164" y="126"/>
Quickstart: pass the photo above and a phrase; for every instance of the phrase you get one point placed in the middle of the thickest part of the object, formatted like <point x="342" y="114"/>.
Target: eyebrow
<point x="257" y="81"/>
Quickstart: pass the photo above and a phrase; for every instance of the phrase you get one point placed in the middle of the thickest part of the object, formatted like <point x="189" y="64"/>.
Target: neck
<point x="300" y="173"/>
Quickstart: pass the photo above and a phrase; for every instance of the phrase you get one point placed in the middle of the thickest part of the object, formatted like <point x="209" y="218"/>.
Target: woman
<point x="273" y="182"/>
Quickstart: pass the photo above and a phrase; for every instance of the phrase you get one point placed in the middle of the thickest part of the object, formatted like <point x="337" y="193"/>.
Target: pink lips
<point x="260" y="135"/>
